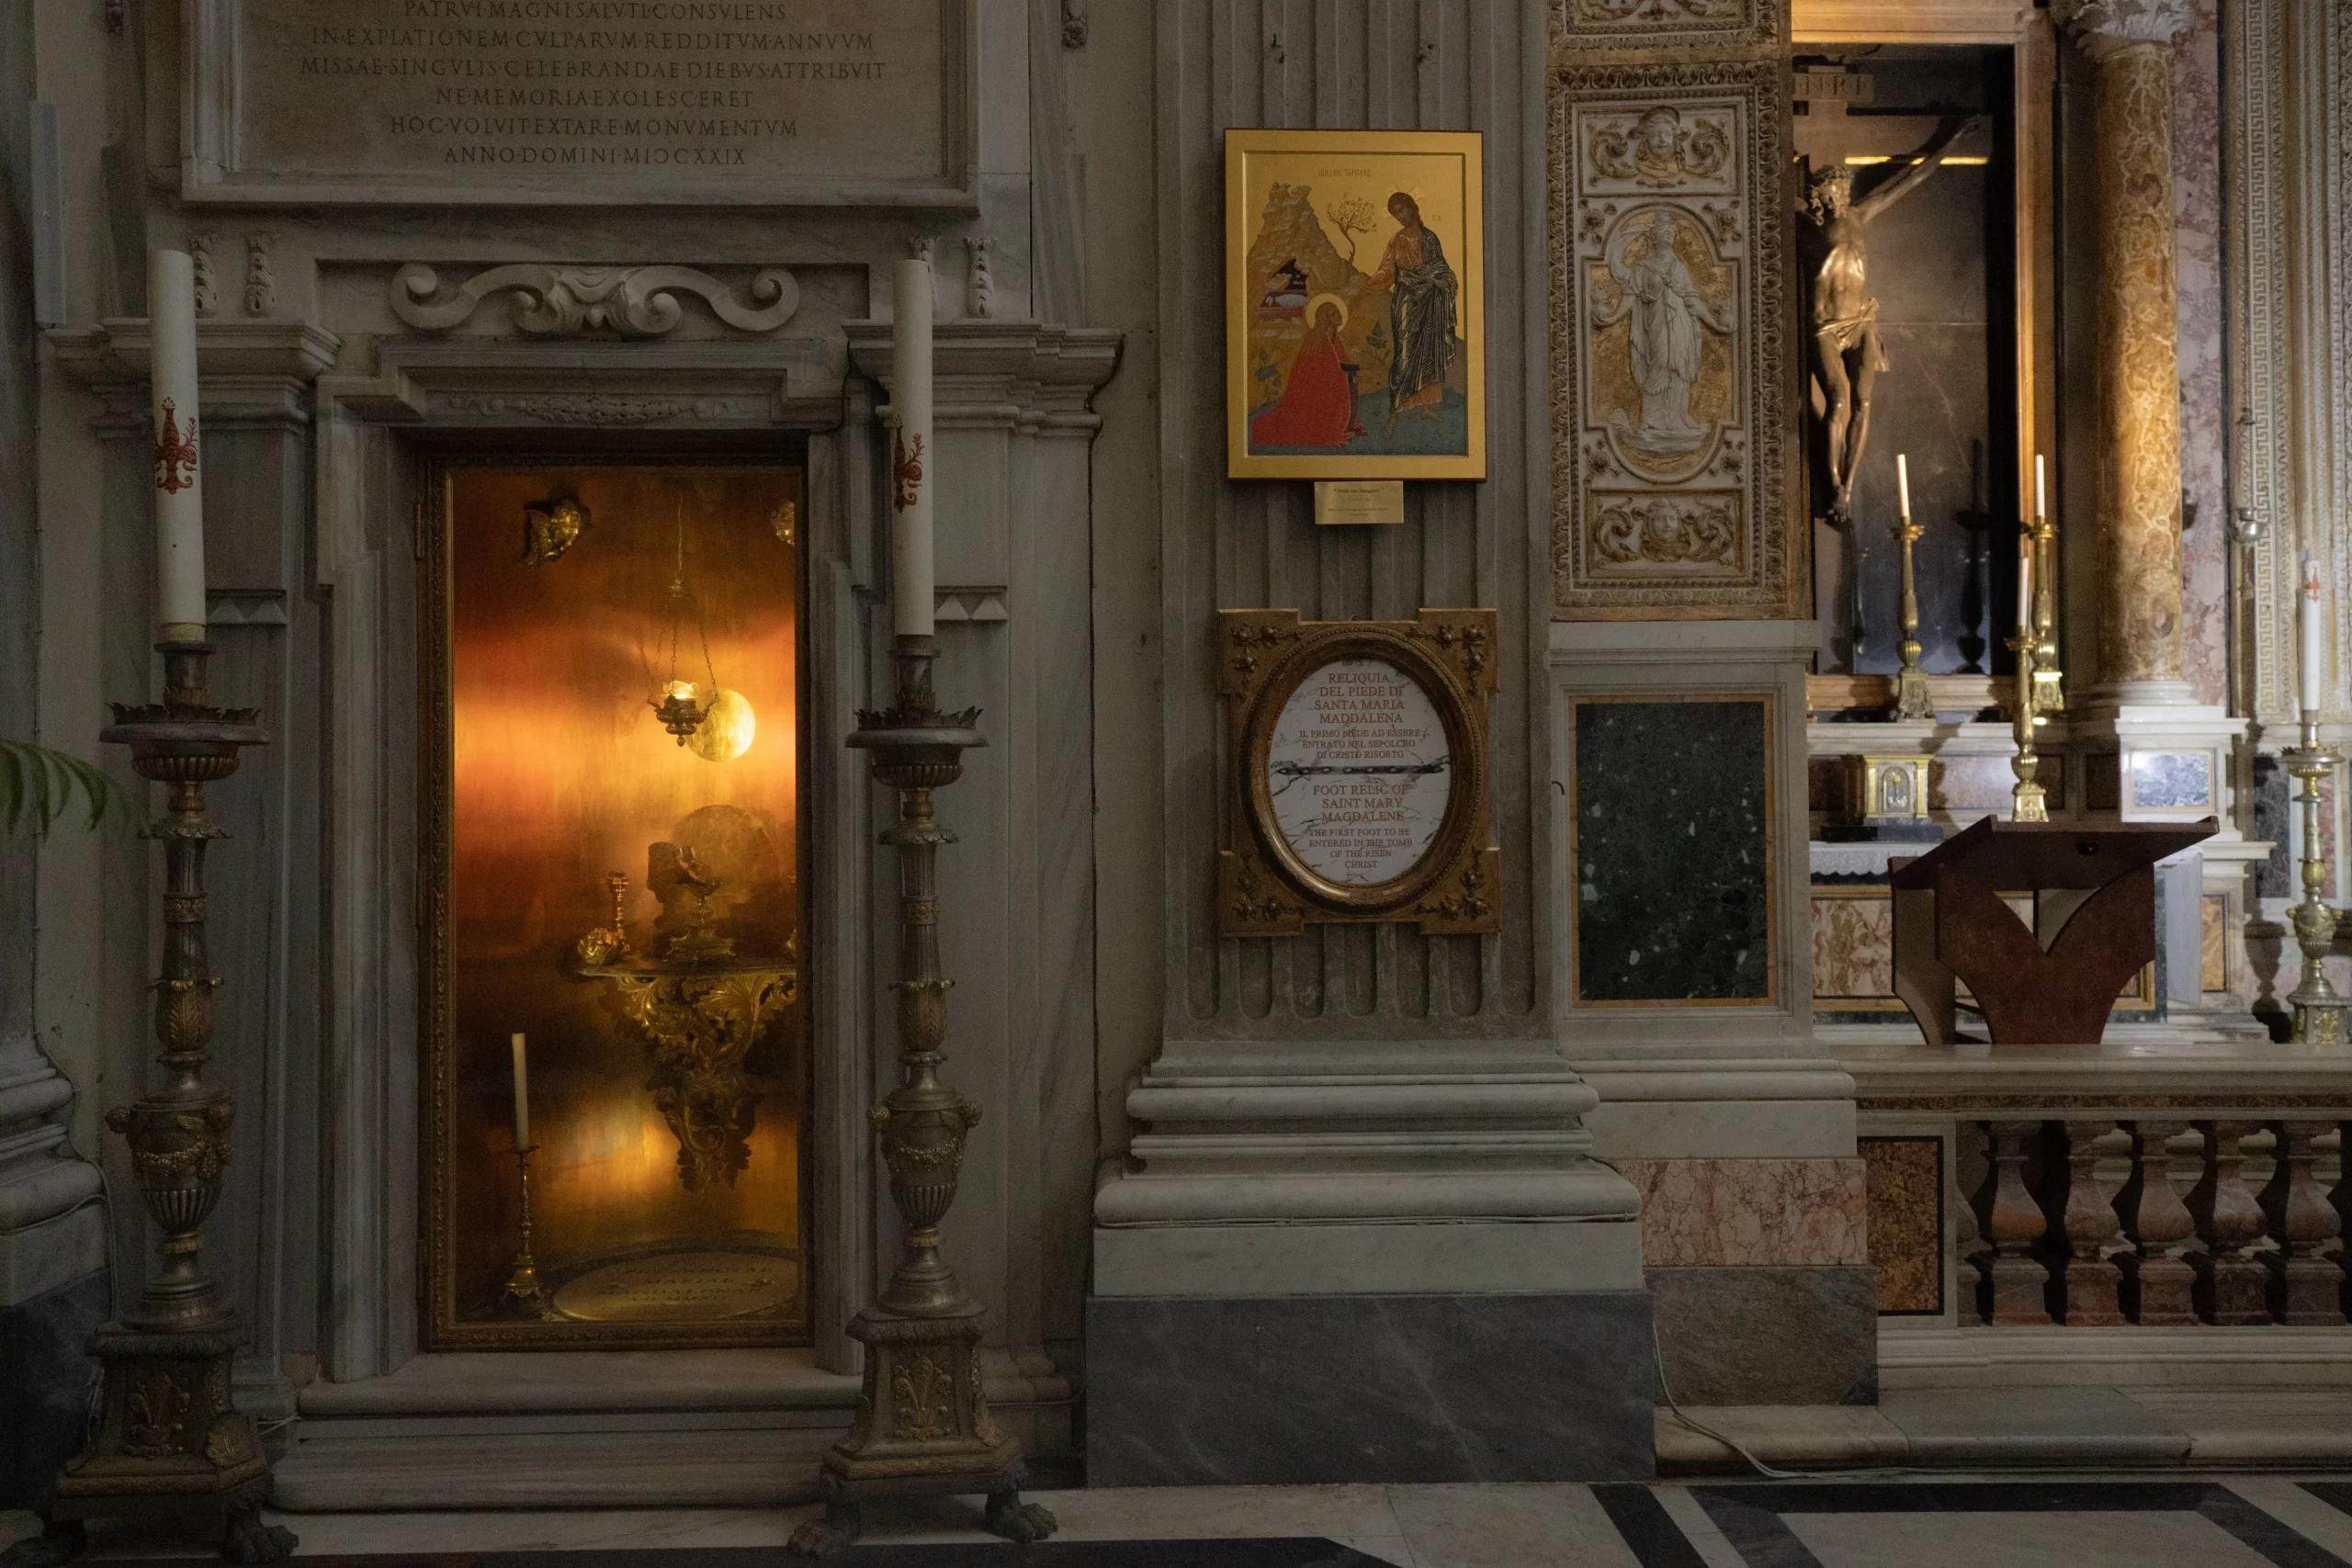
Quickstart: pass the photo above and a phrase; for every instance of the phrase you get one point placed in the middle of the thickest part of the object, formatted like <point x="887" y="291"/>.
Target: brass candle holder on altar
<point x="2049" y="679"/>
<point x="525" y="1296"/>
<point x="2320" y="1009"/>
<point x="166" y="1432"/>
<point x="1912" y="700"/>
<point x="2027" y="798"/>
<point x="923" y="1426"/>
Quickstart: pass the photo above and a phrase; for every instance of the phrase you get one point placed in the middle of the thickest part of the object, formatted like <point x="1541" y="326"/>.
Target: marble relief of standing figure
<point x="1847" y="351"/>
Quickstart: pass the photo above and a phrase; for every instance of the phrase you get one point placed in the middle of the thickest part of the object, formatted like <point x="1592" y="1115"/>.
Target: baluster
<point x="2232" y="1286"/>
<point x="2305" y="1286"/>
<point x="1969" y="1248"/>
<point x="2085" y="1295"/>
<point x="2159" y="1283"/>
<point x="2008" y="1217"/>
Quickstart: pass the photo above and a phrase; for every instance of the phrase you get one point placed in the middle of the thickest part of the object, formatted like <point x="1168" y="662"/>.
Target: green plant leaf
<point x="38" y="786"/>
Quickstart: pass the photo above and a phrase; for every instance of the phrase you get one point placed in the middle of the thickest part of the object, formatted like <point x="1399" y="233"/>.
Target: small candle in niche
<point x="2025" y="582"/>
<point x="913" y="464"/>
<point x="522" y="1094"/>
<point x="177" y="478"/>
<point x="1903" y="481"/>
<point x="2040" y="494"/>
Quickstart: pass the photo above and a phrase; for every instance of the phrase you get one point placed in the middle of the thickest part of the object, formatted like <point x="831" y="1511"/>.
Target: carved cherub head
<point x="1658" y="134"/>
<point x="1830" y="191"/>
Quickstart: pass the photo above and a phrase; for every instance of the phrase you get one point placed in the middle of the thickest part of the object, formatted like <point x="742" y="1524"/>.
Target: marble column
<point x="2130" y="45"/>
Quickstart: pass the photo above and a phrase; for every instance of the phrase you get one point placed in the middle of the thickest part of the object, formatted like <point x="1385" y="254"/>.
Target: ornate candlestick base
<point x="167" y="1432"/>
<point x="923" y="1426"/>
<point x="1912" y="700"/>
<point x="526" y="1297"/>
<point x="2319" y="1009"/>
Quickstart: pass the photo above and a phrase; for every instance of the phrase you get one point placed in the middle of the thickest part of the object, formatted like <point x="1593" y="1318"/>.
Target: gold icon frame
<point x="1445" y="169"/>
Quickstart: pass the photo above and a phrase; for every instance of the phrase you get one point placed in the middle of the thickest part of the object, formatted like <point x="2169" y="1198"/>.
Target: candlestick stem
<point x="1912" y="700"/>
<point x="526" y="1297"/>
<point x="2049" y="679"/>
<point x="2320" y="1009"/>
<point x="2027" y="798"/>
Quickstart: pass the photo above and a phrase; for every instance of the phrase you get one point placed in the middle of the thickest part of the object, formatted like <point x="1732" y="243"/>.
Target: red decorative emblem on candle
<point x="906" y="471"/>
<point x="174" y="453"/>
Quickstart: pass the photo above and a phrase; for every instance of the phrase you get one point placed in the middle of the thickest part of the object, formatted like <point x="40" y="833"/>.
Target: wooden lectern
<point x="2051" y="984"/>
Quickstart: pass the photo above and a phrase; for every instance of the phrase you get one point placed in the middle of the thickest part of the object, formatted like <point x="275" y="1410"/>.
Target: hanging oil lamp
<point x="678" y="707"/>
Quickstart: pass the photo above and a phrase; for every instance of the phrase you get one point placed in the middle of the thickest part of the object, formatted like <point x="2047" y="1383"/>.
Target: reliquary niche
<point x="1666" y="358"/>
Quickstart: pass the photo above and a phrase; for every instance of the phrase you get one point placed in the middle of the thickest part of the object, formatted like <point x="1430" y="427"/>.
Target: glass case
<point x="616" y="1081"/>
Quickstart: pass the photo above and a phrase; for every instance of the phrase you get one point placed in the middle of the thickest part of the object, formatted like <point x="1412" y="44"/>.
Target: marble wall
<point x="2206" y="418"/>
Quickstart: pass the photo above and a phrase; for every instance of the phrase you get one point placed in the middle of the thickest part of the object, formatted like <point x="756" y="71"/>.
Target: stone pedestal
<point x="1372" y="1232"/>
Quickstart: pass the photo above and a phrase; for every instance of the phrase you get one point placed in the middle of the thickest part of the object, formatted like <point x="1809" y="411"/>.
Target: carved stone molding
<point x="1667" y="283"/>
<point x="586" y="408"/>
<point x="2102" y="26"/>
<point x="631" y="302"/>
<point x="1663" y="23"/>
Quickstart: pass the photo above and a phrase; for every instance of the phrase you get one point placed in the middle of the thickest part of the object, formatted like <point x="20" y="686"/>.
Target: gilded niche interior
<point x="614" y="794"/>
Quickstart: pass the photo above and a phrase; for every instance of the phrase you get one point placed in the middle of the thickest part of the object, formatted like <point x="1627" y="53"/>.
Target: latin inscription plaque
<point x="771" y="102"/>
<point x="1358" y="773"/>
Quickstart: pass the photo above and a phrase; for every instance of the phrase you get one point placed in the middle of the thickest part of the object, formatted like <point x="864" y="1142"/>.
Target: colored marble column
<point x="2130" y="46"/>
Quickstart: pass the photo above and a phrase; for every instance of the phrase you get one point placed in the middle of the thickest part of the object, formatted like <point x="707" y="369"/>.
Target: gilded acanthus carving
<point x="1654" y="24"/>
<point x="631" y="301"/>
<point x="1667" y="289"/>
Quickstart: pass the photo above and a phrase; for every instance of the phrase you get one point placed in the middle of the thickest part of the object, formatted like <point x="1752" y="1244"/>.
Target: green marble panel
<point x="1673" y="850"/>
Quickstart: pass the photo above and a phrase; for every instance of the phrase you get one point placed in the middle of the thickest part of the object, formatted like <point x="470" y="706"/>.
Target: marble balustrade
<point x="2230" y="1219"/>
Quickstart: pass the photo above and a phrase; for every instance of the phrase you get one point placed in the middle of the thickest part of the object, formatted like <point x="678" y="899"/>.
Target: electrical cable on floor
<point x="1741" y="1449"/>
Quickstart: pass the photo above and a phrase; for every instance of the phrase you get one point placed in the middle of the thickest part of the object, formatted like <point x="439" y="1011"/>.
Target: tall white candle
<point x="1903" y="481"/>
<point x="2040" y="494"/>
<point x="913" y="469"/>
<point x="2307" y="624"/>
<point x="521" y="1096"/>
<point x="2025" y="583"/>
<point x="179" y="489"/>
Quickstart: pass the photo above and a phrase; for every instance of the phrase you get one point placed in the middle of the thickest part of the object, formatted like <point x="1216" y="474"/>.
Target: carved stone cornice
<point x="252" y="372"/>
<point x="2104" y="28"/>
<point x="629" y="301"/>
<point x="1024" y="374"/>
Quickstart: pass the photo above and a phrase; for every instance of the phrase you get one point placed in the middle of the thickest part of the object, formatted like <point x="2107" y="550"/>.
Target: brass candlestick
<point x="526" y="1297"/>
<point x="2049" y="679"/>
<point x="2027" y="801"/>
<point x="923" y="1425"/>
<point x="1911" y="698"/>
<point x="168" y="1430"/>
<point x="2319" y="1009"/>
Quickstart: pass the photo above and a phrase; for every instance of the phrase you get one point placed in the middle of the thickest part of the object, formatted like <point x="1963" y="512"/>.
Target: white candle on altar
<point x="913" y="461"/>
<point x="1903" y="481"/>
<point x="178" y="487"/>
<point x="521" y="1096"/>
<point x="2307" y="624"/>
<point x="2041" y="495"/>
<point x="2025" y="583"/>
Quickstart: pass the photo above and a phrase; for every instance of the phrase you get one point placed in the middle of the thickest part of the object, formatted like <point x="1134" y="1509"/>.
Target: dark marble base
<point x="1769" y="1336"/>
<point x="1306" y="1390"/>
<point x="45" y="1378"/>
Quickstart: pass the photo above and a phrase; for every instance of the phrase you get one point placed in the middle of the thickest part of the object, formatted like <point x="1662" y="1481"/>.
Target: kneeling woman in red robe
<point x="1317" y="406"/>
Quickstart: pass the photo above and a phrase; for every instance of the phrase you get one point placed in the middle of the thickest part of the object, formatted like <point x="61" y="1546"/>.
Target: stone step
<point x="739" y="1467"/>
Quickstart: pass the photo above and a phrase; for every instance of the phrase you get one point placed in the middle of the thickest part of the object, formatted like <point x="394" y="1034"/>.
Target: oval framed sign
<point x="1361" y="787"/>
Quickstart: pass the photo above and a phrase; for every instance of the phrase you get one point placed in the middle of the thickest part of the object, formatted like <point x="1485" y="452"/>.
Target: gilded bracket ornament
<point x="631" y="301"/>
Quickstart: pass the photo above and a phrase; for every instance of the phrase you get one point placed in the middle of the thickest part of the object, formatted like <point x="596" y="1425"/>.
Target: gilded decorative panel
<point x="1666" y="327"/>
<point x="1664" y="24"/>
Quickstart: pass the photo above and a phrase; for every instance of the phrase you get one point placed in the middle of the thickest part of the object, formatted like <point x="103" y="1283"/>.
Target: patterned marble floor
<point x="1911" y="1522"/>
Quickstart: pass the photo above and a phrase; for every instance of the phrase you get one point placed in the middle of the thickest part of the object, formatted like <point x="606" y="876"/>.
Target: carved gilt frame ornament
<point x="631" y="302"/>
<point x="1664" y="24"/>
<point x="1265" y="885"/>
<point x="1667" y="254"/>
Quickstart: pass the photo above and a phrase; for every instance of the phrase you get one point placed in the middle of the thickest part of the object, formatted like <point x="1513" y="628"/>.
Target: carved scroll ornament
<point x="632" y="301"/>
